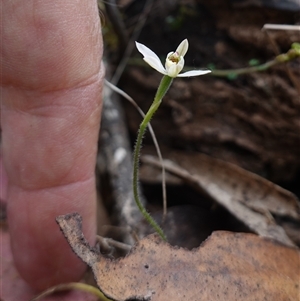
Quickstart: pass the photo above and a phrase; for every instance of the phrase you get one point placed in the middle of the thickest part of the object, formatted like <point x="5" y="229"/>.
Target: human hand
<point x="50" y="113"/>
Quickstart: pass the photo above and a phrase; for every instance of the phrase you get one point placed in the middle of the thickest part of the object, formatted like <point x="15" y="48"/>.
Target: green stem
<point x="161" y="91"/>
<point x="292" y="54"/>
<point x="246" y="70"/>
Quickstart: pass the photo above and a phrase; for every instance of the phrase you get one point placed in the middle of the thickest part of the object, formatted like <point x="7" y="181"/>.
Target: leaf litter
<point x="250" y="198"/>
<point x="227" y="266"/>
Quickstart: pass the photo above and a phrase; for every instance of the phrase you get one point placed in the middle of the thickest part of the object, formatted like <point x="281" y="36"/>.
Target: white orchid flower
<point x="174" y="61"/>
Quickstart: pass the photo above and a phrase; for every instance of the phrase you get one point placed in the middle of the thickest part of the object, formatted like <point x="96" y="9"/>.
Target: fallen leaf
<point x="249" y="188"/>
<point x="227" y="266"/>
<point x="247" y="196"/>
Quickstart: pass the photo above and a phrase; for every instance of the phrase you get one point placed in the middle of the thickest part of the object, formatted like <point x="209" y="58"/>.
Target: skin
<point x="51" y="85"/>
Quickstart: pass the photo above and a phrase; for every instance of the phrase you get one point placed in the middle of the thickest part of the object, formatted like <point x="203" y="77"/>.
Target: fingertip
<point x="41" y="252"/>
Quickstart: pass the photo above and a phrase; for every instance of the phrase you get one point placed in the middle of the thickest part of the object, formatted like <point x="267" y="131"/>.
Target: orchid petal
<point x="172" y="70"/>
<point x="193" y="73"/>
<point x="180" y="64"/>
<point x="168" y="64"/>
<point x="170" y="53"/>
<point x="156" y="64"/>
<point x="183" y="48"/>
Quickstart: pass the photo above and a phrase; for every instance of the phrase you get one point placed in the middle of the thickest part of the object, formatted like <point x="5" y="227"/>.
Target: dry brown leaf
<point x="247" y="187"/>
<point x="227" y="266"/>
<point x="249" y="197"/>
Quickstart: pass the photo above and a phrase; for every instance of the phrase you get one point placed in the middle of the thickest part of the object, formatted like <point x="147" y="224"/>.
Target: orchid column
<point x="173" y="66"/>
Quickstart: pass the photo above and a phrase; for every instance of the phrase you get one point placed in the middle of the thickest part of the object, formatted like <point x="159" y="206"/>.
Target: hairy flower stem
<point x="161" y="91"/>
